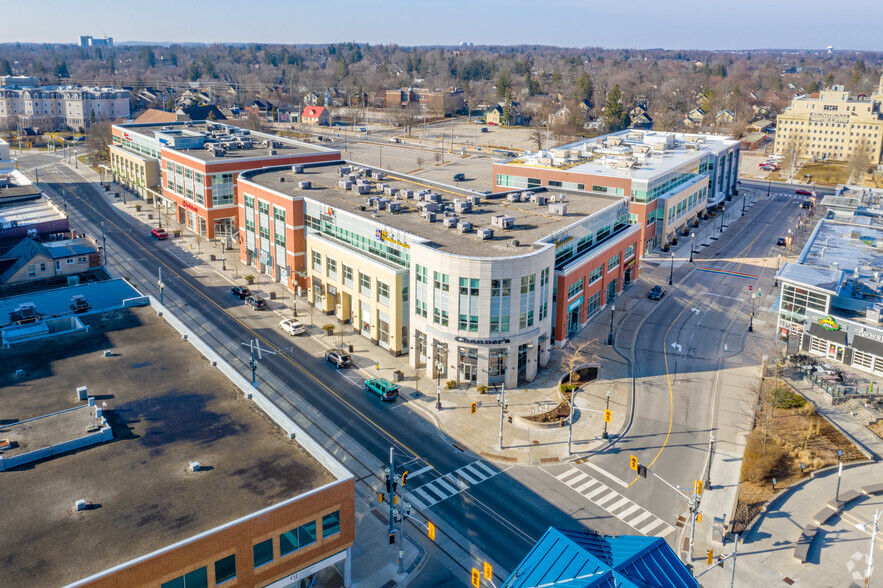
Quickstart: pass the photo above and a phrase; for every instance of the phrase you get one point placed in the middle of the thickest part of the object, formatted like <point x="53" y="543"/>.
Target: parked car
<point x="806" y="204"/>
<point x="79" y="304"/>
<point x="656" y="293"/>
<point x="240" y="291"/>
<point x="459" y="177"/>
<point x="363" y="130"/>
<point x="256" y="302"/>
<point x="292" y="327"/>
<point x="781" y="241"/>
<point x="483" y="129"/>
<point x="339" y="358"/>
<point x="394" y="140"/>
<point x="383" y="388"/>
<point x="803" y="192"/>
<point x="159" y="234"/>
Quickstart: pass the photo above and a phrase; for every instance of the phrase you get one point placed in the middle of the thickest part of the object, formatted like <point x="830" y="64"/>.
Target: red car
<point x="803" y="192"/>
<point x="159" y="234"/>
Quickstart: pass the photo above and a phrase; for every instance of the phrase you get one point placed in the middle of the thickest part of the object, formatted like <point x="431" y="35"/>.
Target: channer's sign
<point x="829" y="324"/>
<point x="482" y="341"/>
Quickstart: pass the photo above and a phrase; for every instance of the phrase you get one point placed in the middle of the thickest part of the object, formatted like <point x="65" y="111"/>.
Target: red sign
<point x="126" y="136"/>
<point x="189" y="206"/>
<point x="750" y="288"/>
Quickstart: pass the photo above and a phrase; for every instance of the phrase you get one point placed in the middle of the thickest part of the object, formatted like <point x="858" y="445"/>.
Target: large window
<point x="317" y="261"/>
<point x="347" y="276"/>
<point x="225" y="569"/>
<point x="613" y="263"/>
<point x="297" y="538"/>
<point x="331" y="524"/>
<point x="595" y="275"/>
<point x="796" y="300"/>
<point x="331" y="267"/>
<point x="364" y="284"/>
<point x="263" y="553"/>
<point x="575" y="288"/>
<point x="383" y="293"/>
<point x="195" y="579"/>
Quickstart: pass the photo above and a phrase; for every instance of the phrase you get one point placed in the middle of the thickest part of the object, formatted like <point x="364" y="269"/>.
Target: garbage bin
<point x="398" y="375"/>
<point x="272" y="296"/>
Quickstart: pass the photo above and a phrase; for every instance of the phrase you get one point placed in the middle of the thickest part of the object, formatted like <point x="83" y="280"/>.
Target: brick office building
<point x="199" y="163"/>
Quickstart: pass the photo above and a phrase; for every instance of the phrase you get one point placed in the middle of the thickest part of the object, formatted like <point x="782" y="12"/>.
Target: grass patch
<point x="787" y="431"/>
<point x="877" y="429"/>
<point x="826" y="172"/>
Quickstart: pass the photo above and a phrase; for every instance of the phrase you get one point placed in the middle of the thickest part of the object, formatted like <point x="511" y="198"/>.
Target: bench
<point x="845" y="498"/>
<point x="873" y="489"/>
<point x="804" y="542"/>
<point x="823" y="515"/>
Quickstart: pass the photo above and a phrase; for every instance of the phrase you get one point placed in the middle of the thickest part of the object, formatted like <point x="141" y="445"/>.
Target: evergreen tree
<point x="504" y="84"/>
<point x="5" y="68"/>
<point x="584" y="89"/>
<point x="615" y="116"/>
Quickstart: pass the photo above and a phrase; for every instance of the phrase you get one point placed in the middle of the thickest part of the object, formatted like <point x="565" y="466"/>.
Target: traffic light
<point x="698" y="486"/>
<point x="476" y="578"/>
<point x="430" y="531"/>
<point x="608" y="416"/>
<point x="710" y="556"/>
<point x="488" y="571"/>
<point x="633" y="462"/>
<point x="395" y="499"/>
<point x="698" y="517"/>
<point x="381" y="496"/>
<point x="473" y="408"/>
<point x="404" y="477"/>
<point x="392" y="538"/>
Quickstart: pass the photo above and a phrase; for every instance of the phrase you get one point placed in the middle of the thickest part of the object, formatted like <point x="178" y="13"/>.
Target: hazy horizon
<point x="633" y="24"/>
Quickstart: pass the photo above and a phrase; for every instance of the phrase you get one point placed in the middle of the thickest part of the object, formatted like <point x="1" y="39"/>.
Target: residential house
<point x="695" y="117"/>
<point x="32" y="260"/>
<point x="312" y="99"/>
<point x="262" y="108"/>
<point x="204" y="112"/>
<point x="316" y="115"/>
<point x="725" y="117"/>
<point x="640" y="119"/>
<point x="494" y="116"/>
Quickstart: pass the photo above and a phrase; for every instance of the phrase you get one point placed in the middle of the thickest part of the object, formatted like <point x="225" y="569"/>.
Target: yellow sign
<point x="608" y="416"/>
<point x="476" y="578"/>
<point x="382" y="235"/>
<point x="430" y="531"/>
<point x="633" y="462"/>
<point x="698" y="486"/>
<point x="829" y="324"/>
<point x="698" y="517"/>
<point x="710" y="558"/>
<point x="488" y="571"/>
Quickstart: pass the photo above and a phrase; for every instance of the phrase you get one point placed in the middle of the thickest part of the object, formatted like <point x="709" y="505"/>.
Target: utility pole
<point x="391" y="488"/>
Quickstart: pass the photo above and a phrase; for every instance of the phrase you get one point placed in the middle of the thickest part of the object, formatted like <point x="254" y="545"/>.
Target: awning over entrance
<point x="867" y="346"/>
<point x="817" y="330"/>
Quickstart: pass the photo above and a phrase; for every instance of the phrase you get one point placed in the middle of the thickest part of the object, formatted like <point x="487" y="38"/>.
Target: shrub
<point x="787" y="399"/>
<point x="249" y="278"/>
<point x="451" y="384"/>
<point x="329" y="328"/>
<point x="482" y="389"/>
<point x="567" y="388"/>
<point x="762" y="459"/>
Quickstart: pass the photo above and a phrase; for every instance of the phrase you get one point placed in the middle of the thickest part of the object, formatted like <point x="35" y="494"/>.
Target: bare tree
<point x="536" y="137"/>
<point x="859" y="162"/>
<point x="100" y="139"/>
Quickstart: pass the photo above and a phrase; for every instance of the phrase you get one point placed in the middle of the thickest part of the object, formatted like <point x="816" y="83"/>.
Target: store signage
<point x="328" y="215"/>
<point x="575" y="303"/>
<point x="189" y="206"/>
<point x="382" y="235"/>
<point x="829" y="324"/>
<point x="560" y="242"/>
<point x="332" y="290"/>
<point x="482" y="341"/>
<point x="878" y="337"/>
<point x="266" y="258"/>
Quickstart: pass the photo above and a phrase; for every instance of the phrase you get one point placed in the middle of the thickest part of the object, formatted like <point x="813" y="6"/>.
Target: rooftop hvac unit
<point x="429" y="215"/>
<point x="541" y="200"/>
<point x="82" y="392"/>
<point x="389" y="190"/>
<point x="372" y="200"/>
<point x="363" y="188"/>
<point x="559" y="208"/>
<point x="464" y="226"/>
<point x="474" y="199"/>
<point x="194" y="466"/>
<point x="513" y="198"/>
<point x="378" y="175"/>
<point x="345" y="170"/>
<point x="304" y="185"/>
<point x="382" y="187"/>
<point x="271" y="152"/>
<point x="486" y="234"/>
<point x="433" y="197"/>
<point x="503" y="221"/>
<point x="406" y="193"/>
<point x="462" y="207"/>
<point x="80" y="504"/>
<point x="429" y="206"/>
<point x="381" y="203"/>
<point x="395" y="206"/>
<point x="450" y="222"/>
<point x="345" y="184"/>
<point x="353" y="178"/>
<point x="515" y="243"/>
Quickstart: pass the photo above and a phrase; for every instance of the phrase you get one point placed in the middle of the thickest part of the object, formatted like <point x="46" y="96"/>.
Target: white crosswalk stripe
<point x="615" y="503"/>
<point x="450" y="484"/>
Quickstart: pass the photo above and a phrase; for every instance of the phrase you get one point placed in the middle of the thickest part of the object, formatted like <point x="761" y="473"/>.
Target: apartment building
<point x="474" y="288"/>
<point x="195" y="165"/>
<point x="90" y="41"/>
<point x="670" y="179"/>
<point x="831" y="125"/>
<point x="56" y="107"/>
<point x="436" y="102"/>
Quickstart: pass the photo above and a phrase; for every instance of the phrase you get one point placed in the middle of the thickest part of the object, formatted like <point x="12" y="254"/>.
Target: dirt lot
<point x="781" y="440"/>
<point x="877" y="429"/>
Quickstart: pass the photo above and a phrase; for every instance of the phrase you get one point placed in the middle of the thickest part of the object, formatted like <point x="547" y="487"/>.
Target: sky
<point x="638" y="24"/>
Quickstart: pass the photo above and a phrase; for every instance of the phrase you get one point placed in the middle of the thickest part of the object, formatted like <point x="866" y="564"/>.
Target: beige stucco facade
<point x="355" y="287"/>
<point x="133" y="170"/>
<point x="831" y="124"/>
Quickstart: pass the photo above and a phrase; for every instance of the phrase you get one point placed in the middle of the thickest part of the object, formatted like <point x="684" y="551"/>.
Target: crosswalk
<point x="450" y="484"/>
<point x="615" y="503"/>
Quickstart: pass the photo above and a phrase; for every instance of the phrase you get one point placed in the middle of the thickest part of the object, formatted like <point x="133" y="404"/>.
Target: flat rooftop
<point x="166" y="407"/>
<point x="27" y="212"/>
<point x="283" y="146"/>
<point x="845" y="247"/>
<point x="532" y="222"/>
<point x="630" y="154"/>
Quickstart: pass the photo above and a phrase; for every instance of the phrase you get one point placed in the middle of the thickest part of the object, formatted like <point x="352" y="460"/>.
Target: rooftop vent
<point x="281" y="178"/>
<point x="304" y="185"/>
<point x="82" y="392"/>
<point x="194" y="466"/>
<point x="515" y="243"/>
<point x="271" y="151"/>
<point x="298" y="169"/>
<point x="81" y="504"/>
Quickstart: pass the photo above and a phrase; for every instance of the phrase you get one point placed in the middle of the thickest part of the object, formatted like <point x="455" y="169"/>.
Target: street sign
<point x="710" y="556"/>
<point x="633" y="462"/>
<point x="479" y="403"/>
<point x="476" y="578"/>
<point x="750" y="288"/>
<point x="608" y="416"/>
<point x="488" y="571"/>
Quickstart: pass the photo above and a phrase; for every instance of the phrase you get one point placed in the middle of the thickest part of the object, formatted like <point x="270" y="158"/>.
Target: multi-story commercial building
<point x="89" y="41"/>
<point x="159" y="473"/>
<point x="190" y="168"/>
<point x="54" y="107"/>
<point x="473" y="287"/>
<point x="832" y="124"/>
<point x="670" y="179"/>
<point x="832" y="295"/>
<point x="18" y="82"/>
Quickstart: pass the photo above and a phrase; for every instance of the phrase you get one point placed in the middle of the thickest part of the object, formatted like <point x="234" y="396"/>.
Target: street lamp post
<point x="778" y="263"/>
<point x="671" y="272"/>
<point x="692" y="245"/>
<point x="612" y="314"/>
<point x="438" y="366"/>
<point x="751" y="319"/>
<point x="743" y="204"/>
<point x="789" y="242"/>
<point x="874" y="528"/>
<point x="604" y="434"/>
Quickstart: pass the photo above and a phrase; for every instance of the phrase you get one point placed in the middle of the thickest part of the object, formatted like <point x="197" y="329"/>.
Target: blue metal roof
<point x="102" y="296"/>
<point x="586" y="560"/>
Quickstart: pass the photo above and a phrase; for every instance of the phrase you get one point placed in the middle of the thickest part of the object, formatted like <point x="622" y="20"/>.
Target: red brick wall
<point x="240" y="539"/>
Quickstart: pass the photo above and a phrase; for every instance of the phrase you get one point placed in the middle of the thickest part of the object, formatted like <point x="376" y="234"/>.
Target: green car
<point x="383" y="388"/>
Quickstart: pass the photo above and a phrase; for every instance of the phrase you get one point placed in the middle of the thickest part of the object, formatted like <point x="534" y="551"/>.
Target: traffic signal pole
<point x="390" y="490"/>
<point x="693" y="503"/>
